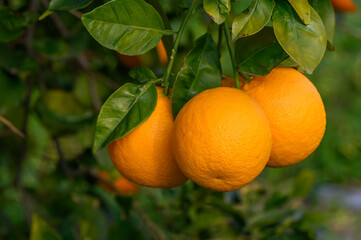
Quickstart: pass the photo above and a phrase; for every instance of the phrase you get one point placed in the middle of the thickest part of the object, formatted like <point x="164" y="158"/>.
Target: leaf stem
<point x="231" y="54"/>
<point x="175" y="48"/>
<point x="220" y="34"/>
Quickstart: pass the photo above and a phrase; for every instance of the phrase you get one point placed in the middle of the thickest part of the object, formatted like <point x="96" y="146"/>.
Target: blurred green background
<point x="54" y="78"/>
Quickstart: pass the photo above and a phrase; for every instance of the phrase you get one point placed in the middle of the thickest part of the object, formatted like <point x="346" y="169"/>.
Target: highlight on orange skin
<point x="162" y="53"/>
<point x="344" y="5"/>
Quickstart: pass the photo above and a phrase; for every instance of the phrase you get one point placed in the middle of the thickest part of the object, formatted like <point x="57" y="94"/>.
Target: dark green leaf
<point x="52" y="48"/>
<point x="201" y="71"/>
<point x="306" y="44"/>
<point x="68" y="4"/>
<point x="260" y="53"/>
<point x="289" y="62"/>
<point x="303" y="183"/>
<point x="13" y="25"/>
<point x="253" y="19"/>
<point x="327" y="13"/>
<point x="218" y="10"/>
<point x="40" y="230"/>
<point x="142" y="74"/>
<point x="123" y="111"/>
<point x="131" y="27"/>
<point x="303" y="10"/>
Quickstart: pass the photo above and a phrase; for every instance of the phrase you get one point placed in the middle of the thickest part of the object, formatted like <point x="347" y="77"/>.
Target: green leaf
<point x="40" y="230"/>
<point x="13" y="25"/>
<point x="303" y="10"/>
<point x="253" y="19"/>
<point x="218" y="10"/>
<point x="131" y="27"/>
<point x="68" y="4"/>
<point x="259" y="54"/>
<point x="142" y="74"/>
<point x="289" y="62"/>
<point x="52" y="48"/>
<point x="123" y="111"/>
<point x="201" y="71"/>
<point x="306" y="44"/>
<point x="327" y="13"/>
<point x="303" y="183"/>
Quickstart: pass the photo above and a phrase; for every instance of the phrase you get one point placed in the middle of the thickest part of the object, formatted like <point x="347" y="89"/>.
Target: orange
<point x="162" y="53"/>
<point x="295" y="111"/>
<point x="229" y="82"/>
<point x="144" y="155"/>
<point x="106" y="176"/>
<point x="344" y="5"/>
<point x="124" y="186"/>
<point x="130" y="61"/>
<point x="222" y="139"/>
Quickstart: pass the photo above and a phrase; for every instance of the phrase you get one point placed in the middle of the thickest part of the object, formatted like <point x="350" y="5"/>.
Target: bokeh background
<point x="53" y="80"/>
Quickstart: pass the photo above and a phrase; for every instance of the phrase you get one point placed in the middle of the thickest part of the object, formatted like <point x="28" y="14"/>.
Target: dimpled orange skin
<point x="295" y="111"/>
<point x="344" y="5"/>
<point x="222" y="139"/>
<point x="144" y="155"/>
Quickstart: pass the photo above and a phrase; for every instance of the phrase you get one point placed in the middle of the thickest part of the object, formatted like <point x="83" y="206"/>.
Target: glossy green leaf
<point x="123" y="111"/>
<point x="40" y="230"/>
<point x="303" y="183"/>
<point x="327" y="13"/>
<point x="306" y="44"/>
<point x="131" y="27"/>
<point x="253" y="19"/>
<point x="201" y="71"/>
<point x="303" y="10"/>
<point x="13" y="25"/>
<point x="260" y="53"/>
<point x="142" y="74"/>
<point x="218" y="10"/>
<point x="289" y="62"/>
<point x="68" y="4"/>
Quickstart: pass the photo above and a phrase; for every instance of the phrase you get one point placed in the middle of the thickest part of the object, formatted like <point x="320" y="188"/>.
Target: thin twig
<point x="11" y="126"/>
<point x="76" y="13"/>
<point x="70" y="173"/>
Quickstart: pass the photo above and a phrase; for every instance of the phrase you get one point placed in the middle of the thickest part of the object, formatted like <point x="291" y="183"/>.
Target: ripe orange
<point x="344" y="5"/>
<point x="124" y="186"/>
<point x="144" y="155"/>
<point x="130" y="61"/>
<point x="162" y="53"/>
<point x="222" y="139"/>
<point x="229" y="82"/>
<point x="295" y="111"/>
<point x="106" y="176"/>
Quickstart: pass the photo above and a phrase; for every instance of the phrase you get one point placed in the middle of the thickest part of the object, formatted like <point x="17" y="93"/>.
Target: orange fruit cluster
<point x="224" y="137"/>
<point x="344" y="5"/>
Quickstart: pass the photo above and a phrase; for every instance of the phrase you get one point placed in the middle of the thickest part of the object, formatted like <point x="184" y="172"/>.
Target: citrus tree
<point x="198" y="95"/>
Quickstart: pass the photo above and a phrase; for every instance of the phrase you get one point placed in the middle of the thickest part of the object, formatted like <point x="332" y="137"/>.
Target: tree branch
<point x="11" y="127"/>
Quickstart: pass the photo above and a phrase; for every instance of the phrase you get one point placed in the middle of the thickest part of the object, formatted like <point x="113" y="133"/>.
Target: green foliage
<point x="13" y="25"/>
<point x="131" y="27"/>
<point x="260" y="53"/>
<point x="55" y="78"/>
<point x="306" y="44"/>
<point x="253" y="19"/>
<point x="303" y="9"/>
<point x="40" y="230"/>
<point x="201" y="71"/>
<point x="55" y="5"/>
<point x="115" y="120"/>
<point x="218" y="10"/>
